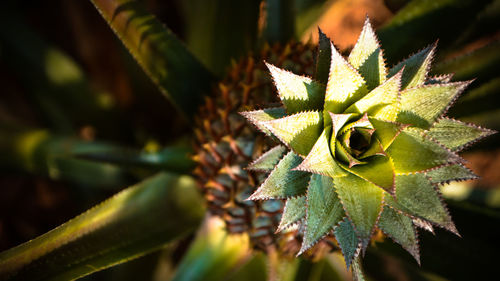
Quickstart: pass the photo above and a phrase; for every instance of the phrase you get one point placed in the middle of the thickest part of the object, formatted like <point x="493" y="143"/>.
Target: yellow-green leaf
<point x="455" y="134"/>
<point x="445" y="174"/>
<point x="298" y="93"/>
<point x="412" y="152"/>
<point x="376" y="101"/>
<point x="320" y="160"/>
<point x="345" y="84"/>
<point x="416" y="67"/>
<point x="299" y="131"/>
<point x="421" y="106"/>
<point x="367" y="57"/>
<point x="258" y="117"/>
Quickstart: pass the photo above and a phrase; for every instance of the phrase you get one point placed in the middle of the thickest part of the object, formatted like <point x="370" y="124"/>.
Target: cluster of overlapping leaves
<point x="365" y="147"/>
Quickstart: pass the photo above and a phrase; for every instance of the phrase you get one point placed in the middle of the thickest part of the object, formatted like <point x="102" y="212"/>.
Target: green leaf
<point x="258" y="117"/>
<point x="362" y="202"/>
<point x="323" y="58"/>
<point x="213" y="254"/>
<point x="421" y="106"/>
<point x="345" y="85"/>
<point x="283" y="182"/>
<point x="423" y="21"/>
<point x="455" y="134"/>
<point x="234" y="36"/>
<point x="416" y="68"/>
<point x="367" y="57"/>
<point x="412" y="152"/>
<point x="299" y="131"/>
<point x="280" y="21"/>
<point x="324" y="210"/>
<point x="136" y="221"/>
<point x="357" y="272"/>
<point x="379" y="170"/>
<point x="386" y="132"/>
<point x="55" y="82"/>
<point x="338" y="122"/>
<point x="481" y="63"/>
<point x="268" y="160"/>
<point x="295" y="210"/>
<point x="298" y="93"/>
<point x="400" y="228"/>
<point x="478" y="100"/>
<point x="377" y="103"/>
<point x="457" y="172"/>
<point x="163" y="57"/>
<point x="417" y="196"/>
<point x="348" y="241"/>
<point x="320" y="160"/>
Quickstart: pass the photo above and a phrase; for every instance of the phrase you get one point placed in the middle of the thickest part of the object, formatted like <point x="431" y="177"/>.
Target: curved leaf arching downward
<point x="176" y="72"/>
<point x="136" y="221"/>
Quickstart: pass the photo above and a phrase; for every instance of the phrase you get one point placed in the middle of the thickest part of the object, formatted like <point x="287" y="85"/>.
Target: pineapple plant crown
<point x="365" y="147"/>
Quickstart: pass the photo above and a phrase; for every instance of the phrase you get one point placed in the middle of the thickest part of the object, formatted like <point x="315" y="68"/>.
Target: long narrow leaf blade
<point x="175" y="71"/>
<point x="136" y="221"/>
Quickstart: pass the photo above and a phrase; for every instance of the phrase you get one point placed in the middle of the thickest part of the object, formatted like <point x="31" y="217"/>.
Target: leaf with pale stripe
<point x="324" y="210"/>
<point x="455" y="134"/>
<point x="283" y="183"/>
<point x="362" y="202"/>
<point x="258" y="117"/>
<point x="376" y="101"/>
<point x="417" y="196"/>
<point x="412" y="152"/>
<point x="348" y="240"/>
<point x="345" y="84"/>
<point x="400" y="228"/>
<point x="299" y="131"/>
<point x="445" y="174"/>
<point x="268" y="160"/>
<point x="294" y="211"/>
<point x="416" y="67"/>
<point x="320" y="160"/>
<point x="367" y="57"/>
<point x="298" y="93"/>
<point x="421" y="106"/>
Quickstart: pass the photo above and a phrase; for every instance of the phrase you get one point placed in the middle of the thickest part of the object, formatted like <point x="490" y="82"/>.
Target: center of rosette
<point x="354" y="142"/>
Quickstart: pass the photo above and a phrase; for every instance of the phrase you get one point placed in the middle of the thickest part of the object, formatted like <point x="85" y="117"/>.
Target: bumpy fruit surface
<point x="364" y="147"/>
<point x="226" y="144"/>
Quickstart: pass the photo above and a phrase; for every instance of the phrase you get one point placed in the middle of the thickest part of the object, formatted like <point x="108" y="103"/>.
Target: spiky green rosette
<point x="365" y="147"/>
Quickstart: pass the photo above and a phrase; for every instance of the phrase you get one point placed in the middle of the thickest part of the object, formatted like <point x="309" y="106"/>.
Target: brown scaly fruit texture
<point x="226" y="144"/>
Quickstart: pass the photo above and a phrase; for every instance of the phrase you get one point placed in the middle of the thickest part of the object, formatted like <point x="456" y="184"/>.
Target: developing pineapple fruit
<point x="364" y="147"/>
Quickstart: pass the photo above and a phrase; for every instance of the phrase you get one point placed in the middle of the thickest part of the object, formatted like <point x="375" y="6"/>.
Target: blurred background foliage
<point x="80" y="121"/>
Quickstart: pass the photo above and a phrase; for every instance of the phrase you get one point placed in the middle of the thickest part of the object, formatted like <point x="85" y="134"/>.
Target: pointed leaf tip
<point x="400" y="228"/>
<point x="282" y="182"/>
<point x="348" y="241"/>
<point x="324" y="210"/>
<point x="367" y="57"/>
<point x="298" y="93"/>
<point x="417" y="67"/>
<point x="268" y="160"/>
<point x="345" y="85"/>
